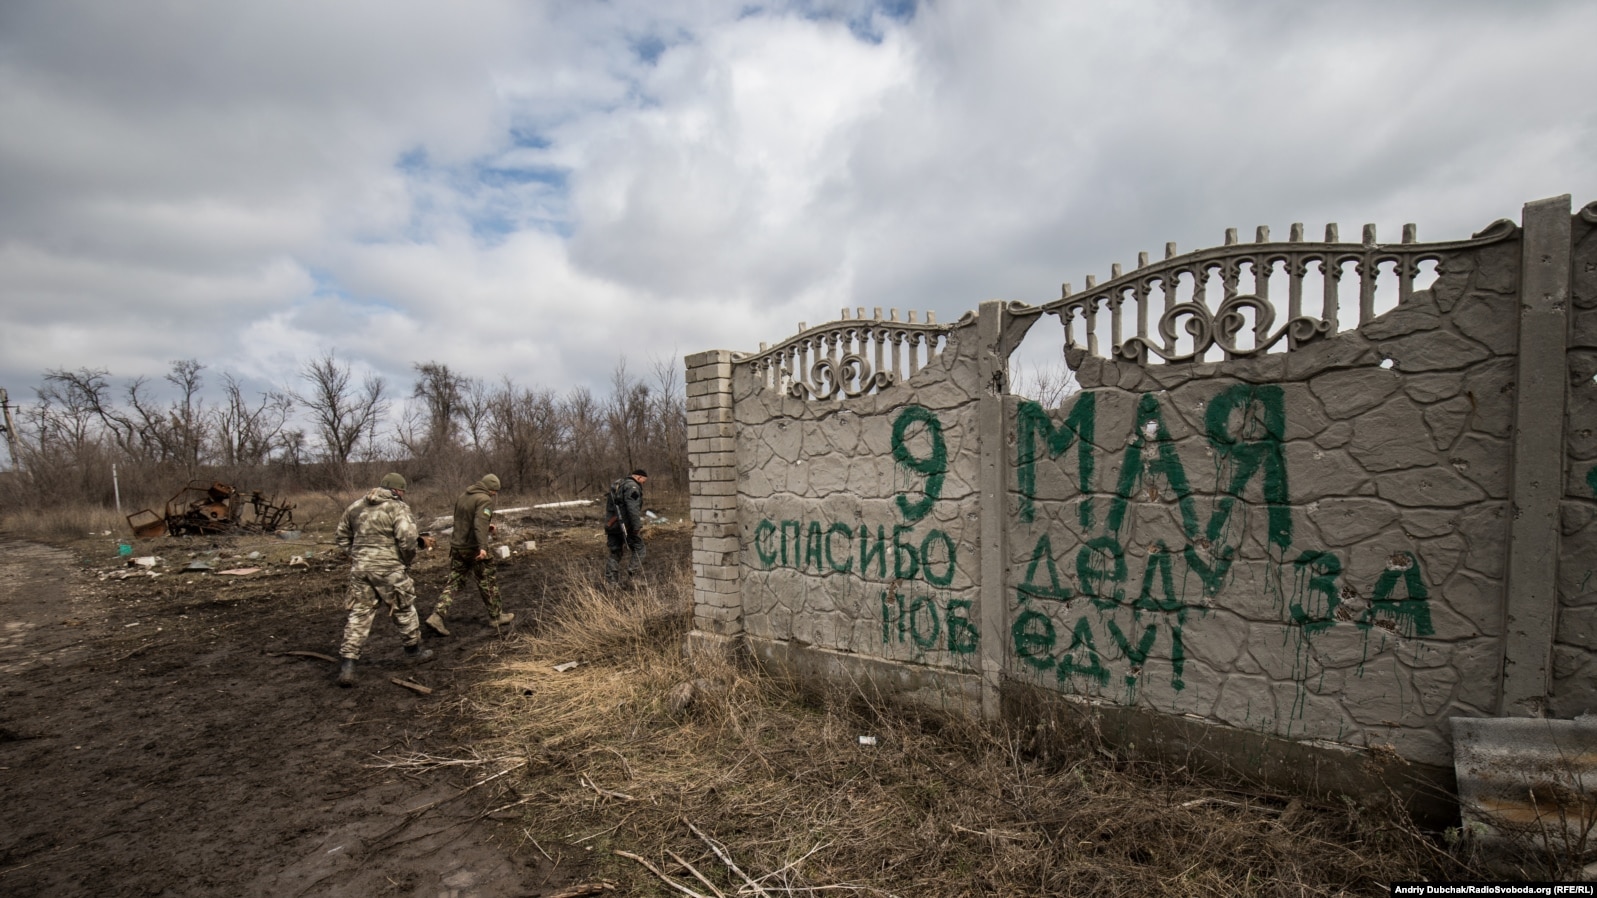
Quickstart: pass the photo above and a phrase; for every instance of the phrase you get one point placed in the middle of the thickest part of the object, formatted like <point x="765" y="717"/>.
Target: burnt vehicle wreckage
<point x="202" y="508"/>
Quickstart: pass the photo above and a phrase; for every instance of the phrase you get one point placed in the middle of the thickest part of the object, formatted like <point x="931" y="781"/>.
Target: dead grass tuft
<point x="660" y="766"/>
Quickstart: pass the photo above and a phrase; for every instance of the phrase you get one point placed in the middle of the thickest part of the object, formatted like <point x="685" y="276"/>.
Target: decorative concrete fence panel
<point x="1287" y="518"/>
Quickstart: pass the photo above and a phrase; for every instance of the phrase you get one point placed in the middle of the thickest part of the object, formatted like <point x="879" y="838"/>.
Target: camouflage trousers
<point x="464" y="565"/>
<point x="368" y="589"/>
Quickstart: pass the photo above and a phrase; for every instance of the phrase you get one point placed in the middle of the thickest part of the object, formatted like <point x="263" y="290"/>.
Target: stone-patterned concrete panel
<point x="1577" y="567"/>
<point x="1418" y="315"/>
<point x="1217" y="638"/>
<point x="1345" y="520"/>
<point x="1307" y="544"/>
<point x="1443" y="555"/>
<point x="1348" y="393"/>
<point x="1422" y="522"/>
<point x="1447" y="421"/>
<point x="1484" y="527"/>
<point x="1349" y="350"/>
<point x="1581" y="435"/>
<point x="1576" y="516"/>
<point x="1574" y="670"/>
<point x="1438" y="351"/>
<point x="1328" y="473"/>
<point x="1312" y="714"/>
<point x="1247" y="702"/>
<point x="1476" y="598"/>
<point x="1309" y="418"/>
<point x="1433" y="487"/>
<point x="1484" y="460"/>
<point x="1431" y="388"/>
<point x="1335" y="436"/>
<point x="1490" y="385"/>
<point x="1384" y="438"/>
<point x="1497" y="269"/>
<point x="1489" y="320"/>
<point x="1577" y="626"/>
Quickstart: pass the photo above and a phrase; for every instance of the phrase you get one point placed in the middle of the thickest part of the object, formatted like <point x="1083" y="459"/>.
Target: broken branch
<point x="604" y="793"/>
<point x="413" y="687"/>
<point x="663" y="878"/>
<point x="696" y="874"/>
<point x="725" y="857"/>
<point x="303" y="654"/>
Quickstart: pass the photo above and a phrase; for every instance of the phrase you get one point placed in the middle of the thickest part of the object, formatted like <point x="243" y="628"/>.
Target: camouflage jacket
<point x="378" y="532"/>
<point x="473" y="515"/>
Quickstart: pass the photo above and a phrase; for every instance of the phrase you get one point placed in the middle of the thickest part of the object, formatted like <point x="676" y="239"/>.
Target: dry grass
<point x="698" y="767"/>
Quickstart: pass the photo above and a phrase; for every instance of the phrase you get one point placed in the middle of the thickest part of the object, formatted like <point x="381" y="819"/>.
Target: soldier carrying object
<point x="623" y="523"/>
<point x="379" y="535"/>
<point x="469" y="555"/>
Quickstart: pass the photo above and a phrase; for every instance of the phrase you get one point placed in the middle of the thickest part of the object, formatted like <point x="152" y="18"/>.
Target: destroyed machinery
<point x="211" y="508"/>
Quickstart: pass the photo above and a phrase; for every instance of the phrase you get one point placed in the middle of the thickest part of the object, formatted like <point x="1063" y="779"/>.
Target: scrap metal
<point x="202" y="508"/>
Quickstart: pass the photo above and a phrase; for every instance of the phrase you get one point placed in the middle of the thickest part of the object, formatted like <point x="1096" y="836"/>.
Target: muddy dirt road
<point x="156" y="740"/>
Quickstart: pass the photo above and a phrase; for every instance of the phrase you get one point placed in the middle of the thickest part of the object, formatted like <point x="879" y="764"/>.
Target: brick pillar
<point x="712" y="479"/>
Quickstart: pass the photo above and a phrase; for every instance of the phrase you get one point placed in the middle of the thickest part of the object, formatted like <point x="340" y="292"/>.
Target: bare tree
<point x="626" y="415"/>
<point x="1049" y="385"/>
<point x="70" y="402"/>
<point x="343" y="416"/>
<point x="175" y="434"/>
<point x="524" y="426"/>
<point x="476" y="411"/>
<point x="588" y="460"/>
<point x="291" y="448"/>
<point x="75" y="400"/>
<point x="441" y="391"/>
<point x="669" y="418"/>
<point x="246" y="434"/>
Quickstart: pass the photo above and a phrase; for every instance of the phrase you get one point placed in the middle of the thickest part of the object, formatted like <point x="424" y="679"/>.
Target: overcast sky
<point x="537" y="189"/>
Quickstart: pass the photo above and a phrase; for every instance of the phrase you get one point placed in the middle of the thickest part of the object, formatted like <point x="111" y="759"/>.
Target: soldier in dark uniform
<point x="623" y="523"/>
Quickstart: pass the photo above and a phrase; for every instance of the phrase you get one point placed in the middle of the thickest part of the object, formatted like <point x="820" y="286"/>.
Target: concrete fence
<point x="1284" y="533"/>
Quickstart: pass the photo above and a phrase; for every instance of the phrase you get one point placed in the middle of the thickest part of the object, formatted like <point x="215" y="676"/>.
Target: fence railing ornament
<point x="1242" y="324"/>
<point x="857" y="355"/>
<point x="850" y="357"/>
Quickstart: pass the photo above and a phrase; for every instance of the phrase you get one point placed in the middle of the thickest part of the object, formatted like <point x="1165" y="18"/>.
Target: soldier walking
<point x="623" y="523"/>
<point x="379" y="535"/>
<point x="469" y="555"/>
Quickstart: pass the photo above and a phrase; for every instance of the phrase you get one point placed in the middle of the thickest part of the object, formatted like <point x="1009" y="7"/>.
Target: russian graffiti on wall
<point x="1082" y="608"/>
<point x="913" y="560"/>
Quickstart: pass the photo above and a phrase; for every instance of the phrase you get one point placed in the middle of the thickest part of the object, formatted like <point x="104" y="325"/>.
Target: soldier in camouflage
<point x="469" y="557"/>
<point x="623" y="524"/>
<point x="379" y="535"/>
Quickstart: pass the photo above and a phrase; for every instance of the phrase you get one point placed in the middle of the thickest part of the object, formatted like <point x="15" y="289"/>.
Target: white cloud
<point x="535" y="189"/>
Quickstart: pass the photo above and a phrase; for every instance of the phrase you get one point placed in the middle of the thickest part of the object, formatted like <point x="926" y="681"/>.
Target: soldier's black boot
<point x="346" y="672"/>
<point x="416" y="654"/>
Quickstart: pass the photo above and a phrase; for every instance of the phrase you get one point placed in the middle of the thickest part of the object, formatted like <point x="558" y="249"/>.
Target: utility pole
<point x="10" y="428"/>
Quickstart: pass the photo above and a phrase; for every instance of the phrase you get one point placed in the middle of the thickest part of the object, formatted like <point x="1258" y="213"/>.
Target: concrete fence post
<point x="1540" y="388"/>
<point x="992" y="480"/>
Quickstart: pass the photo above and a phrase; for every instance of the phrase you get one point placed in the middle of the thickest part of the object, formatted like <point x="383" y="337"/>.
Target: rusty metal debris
<point x="203" y="508"/>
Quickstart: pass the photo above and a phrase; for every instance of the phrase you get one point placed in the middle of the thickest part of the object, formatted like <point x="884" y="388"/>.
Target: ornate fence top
<point x="849" y="357"/>
<point x="856" y="355"/>
<point x="1183" y="282"/>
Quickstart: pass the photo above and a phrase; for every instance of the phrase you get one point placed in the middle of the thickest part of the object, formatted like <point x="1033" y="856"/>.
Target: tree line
<point x="332" y="431"/>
